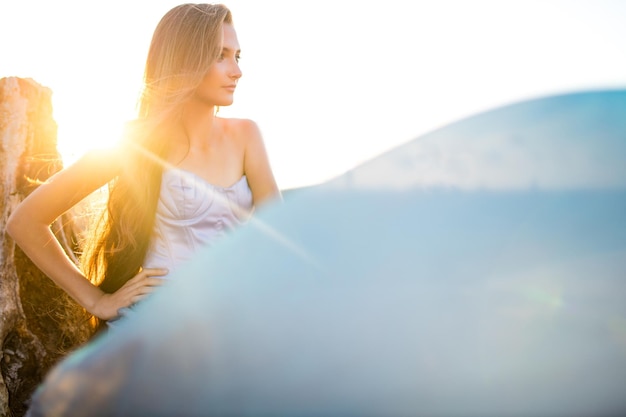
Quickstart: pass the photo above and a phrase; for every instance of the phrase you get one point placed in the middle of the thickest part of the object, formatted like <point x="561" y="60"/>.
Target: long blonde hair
<point x="185" y="43"/>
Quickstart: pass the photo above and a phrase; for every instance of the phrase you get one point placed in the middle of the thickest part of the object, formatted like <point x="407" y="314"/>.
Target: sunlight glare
<point x="83" y="127"/>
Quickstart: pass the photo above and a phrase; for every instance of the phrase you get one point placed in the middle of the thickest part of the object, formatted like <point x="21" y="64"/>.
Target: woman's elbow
<point x="16" y="225"/>
<point x="12" y="226"/>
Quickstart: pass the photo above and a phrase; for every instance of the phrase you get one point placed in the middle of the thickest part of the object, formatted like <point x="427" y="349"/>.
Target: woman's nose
<point x="236" y="72"/>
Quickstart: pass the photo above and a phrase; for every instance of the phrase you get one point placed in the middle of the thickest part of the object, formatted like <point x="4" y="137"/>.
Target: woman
<point x="180" y="178"/>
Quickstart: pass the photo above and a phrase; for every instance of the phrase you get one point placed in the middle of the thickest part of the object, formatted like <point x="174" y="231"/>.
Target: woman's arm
<point x="29" y="226"/>
<point x="257" y="166"/>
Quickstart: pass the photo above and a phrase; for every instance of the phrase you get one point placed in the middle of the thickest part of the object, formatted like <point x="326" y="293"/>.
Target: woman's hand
<point x="133" y="291"/>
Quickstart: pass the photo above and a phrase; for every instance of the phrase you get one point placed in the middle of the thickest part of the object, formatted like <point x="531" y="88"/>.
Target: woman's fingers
<point x="142" y="292"/>
<point x="143" y="282"/>
<point x="146" y="277"/>
<point x="154" y="271"/>
<point x="134" y="290"/>
<point x="148" y="272"/>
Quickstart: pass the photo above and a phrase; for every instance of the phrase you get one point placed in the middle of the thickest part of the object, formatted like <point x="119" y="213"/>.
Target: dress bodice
<point x="192" y="213"/>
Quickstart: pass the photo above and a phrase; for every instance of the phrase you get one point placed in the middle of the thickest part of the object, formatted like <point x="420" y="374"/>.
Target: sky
<point x="331" y="83"/>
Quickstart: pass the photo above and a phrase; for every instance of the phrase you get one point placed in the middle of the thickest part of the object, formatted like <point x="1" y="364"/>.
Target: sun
<point x="85" y="124"/>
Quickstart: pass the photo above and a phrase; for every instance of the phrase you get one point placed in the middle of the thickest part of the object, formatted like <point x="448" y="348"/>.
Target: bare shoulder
<point x="245" y="131"/>
<point x="96" y="167"/>
<point x="103" y="159"/>
<point x="255" y="159"/>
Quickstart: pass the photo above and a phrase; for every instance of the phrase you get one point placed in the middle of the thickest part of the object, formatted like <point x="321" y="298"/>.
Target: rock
<point x="39" y="324"/>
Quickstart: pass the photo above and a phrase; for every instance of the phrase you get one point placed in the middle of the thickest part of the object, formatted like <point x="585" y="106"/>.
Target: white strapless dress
<point x="193" y="213"/>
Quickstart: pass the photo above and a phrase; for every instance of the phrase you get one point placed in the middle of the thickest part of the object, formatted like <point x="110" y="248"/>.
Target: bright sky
<point x="331" y="83"/>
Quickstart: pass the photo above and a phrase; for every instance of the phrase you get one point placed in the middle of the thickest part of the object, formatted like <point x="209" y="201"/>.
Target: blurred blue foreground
<point x="479" y="270"/>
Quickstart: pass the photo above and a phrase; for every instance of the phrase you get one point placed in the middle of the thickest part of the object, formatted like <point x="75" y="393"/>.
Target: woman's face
<point x="219" y="83"/>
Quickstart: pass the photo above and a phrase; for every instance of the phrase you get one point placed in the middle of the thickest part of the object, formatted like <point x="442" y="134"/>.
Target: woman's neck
<point x="198" y="125"/>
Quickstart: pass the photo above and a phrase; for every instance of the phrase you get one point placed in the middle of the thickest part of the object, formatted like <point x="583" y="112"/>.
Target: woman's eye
<point x="237" y="58"/>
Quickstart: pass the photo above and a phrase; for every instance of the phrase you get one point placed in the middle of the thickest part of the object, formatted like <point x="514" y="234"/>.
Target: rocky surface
<point x="39" y="324"/>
